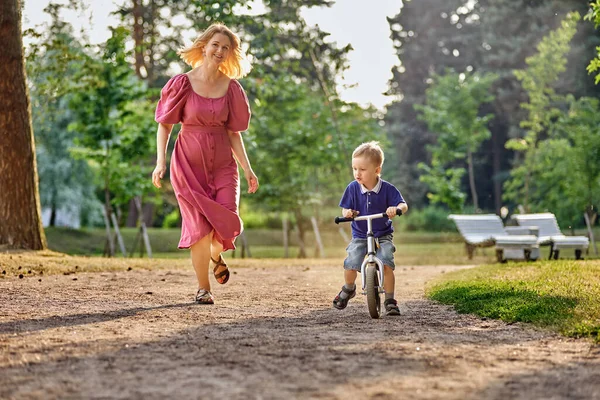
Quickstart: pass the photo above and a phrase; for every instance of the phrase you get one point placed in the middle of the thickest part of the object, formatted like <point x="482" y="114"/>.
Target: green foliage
<point x="302" y="134"/>
<point x="296" y="109"/>
<point x="172" y="219"/>
<point x="292" y="120"/>
<point x="560" y="295"/>
<point x="452" y="114"/>
<point x="113" y="123"/>
<point x="567" y="165"/>
<point x="428" y="219"/>
<point x="444" y="184"/>
<point x="543" y="70"/>
<point x="261" y="220"/>
<point x="488" y="36"/>
<point x="65" y="183"/>
<point x="423" y="39"/>
<point x="594" y="15"/>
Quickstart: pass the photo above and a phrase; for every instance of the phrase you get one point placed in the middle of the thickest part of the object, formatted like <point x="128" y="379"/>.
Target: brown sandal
<point x="223" y="276"/>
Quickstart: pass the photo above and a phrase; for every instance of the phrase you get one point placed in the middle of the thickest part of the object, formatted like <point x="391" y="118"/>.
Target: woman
<point x="213" y="109"/>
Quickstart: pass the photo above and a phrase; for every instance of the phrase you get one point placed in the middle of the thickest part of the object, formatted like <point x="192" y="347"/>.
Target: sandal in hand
<point x="223" y="276"/>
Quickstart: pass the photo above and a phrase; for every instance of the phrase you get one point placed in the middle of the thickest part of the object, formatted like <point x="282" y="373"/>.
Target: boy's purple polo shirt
<point x="366" y="202"/>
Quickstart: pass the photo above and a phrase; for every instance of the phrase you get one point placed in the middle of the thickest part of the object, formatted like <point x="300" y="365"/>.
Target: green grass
<point x="413" y="248"/>
<point x="406" y="254"/>
<point x="560" y="295"/>
<point x="91" y="241"/>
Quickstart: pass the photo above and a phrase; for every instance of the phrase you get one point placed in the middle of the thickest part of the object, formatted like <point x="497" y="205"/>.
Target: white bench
<point x="550" y="234"/>
<point x="486" y="230"/>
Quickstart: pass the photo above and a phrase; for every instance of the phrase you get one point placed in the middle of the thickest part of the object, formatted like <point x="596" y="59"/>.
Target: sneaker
<point x="341" y="303"/>
<point x="391" y="307"/>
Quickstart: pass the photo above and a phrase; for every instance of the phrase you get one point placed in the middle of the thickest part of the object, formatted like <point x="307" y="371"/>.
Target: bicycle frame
<point x="371" y="252"/>
<point x="373" y="292"/>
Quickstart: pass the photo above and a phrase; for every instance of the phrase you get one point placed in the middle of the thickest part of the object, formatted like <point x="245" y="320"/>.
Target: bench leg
<point x="500" y="255"/>
<point x="578" y="254"/>
<point x="556" y="253"/>
<point x="470" y="251"/>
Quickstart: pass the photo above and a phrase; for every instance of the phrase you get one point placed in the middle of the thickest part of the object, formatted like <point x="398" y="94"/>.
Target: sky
<point x="348" y="21"/>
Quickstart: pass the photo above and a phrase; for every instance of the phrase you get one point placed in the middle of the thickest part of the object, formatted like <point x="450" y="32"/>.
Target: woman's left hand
<point x="252" y="181"/>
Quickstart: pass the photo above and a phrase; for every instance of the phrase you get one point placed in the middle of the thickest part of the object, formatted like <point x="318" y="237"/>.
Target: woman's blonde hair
<point x="237" y="64"/>
<point x="371" y="150"/>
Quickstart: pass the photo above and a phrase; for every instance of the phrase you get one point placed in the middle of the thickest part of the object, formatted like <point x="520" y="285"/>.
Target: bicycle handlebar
<point x="365" y="217"/>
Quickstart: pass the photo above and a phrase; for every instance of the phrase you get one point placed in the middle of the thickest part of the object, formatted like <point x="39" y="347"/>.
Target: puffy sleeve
<point x="239" y="108"/>
<point x="172" y="100"/>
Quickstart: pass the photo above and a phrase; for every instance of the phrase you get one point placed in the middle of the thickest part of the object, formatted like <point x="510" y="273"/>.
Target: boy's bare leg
<point x="391" y="305"/>
<point x="389" y="281"/>
<point x="200" y="252"/>
<point x="350" y="276"/>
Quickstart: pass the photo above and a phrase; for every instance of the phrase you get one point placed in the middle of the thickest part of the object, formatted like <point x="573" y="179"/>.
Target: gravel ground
<point x="272" y="334"/>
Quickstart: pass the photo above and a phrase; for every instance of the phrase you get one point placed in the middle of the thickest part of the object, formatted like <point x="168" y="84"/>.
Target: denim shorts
<point x="357" y="250"/>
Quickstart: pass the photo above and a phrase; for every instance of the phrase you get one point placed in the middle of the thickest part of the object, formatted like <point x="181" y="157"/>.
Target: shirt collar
<point x="376" y="189"/>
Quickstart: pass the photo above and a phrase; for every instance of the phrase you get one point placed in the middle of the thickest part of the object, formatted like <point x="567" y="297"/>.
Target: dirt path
<point x="272" y="335"/>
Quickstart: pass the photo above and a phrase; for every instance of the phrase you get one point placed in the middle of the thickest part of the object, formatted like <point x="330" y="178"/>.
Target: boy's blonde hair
<point x="237" y="64"/>
<point x="371" y="150"/>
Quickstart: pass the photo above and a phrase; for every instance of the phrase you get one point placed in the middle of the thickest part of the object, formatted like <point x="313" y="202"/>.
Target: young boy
<point x="369" y="194"/>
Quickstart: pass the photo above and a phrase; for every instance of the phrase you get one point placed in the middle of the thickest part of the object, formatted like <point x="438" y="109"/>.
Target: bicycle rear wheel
<point x="373" y="296"/>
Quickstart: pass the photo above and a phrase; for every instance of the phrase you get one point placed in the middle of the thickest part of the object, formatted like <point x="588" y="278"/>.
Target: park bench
<point x="551" y="235"/>
<point x="486" y="230"/>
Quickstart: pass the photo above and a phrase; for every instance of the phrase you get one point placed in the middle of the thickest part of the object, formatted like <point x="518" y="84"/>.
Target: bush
<point x="428" y="219"/>
<point x="261" y="220"/>
<point x="172" y="219"/>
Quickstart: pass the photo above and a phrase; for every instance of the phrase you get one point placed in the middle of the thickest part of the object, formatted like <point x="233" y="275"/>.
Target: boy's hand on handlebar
<point x="391" y="212"/>
<point x="350" y="213"/>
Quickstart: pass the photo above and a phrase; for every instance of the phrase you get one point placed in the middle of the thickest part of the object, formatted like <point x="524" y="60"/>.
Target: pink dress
<point x="204" y="173"/>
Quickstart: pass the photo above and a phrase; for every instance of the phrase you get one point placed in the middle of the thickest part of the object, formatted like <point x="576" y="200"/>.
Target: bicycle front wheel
<point x="373" y="296"/>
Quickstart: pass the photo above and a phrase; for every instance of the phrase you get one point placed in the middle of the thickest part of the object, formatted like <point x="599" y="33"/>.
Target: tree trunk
<point x="497" y="167"/>
<point x="132" y="215"/>
<point x="472" y="181"/>
<point x="20" y="211"/>
<point x="110" y="248"/>
<point x="138" y="38"/>
<point x="52" y="216"/>
<point x="300" y="225"/>
<point x="150" y="64"/>
<point x="53" y="208"/>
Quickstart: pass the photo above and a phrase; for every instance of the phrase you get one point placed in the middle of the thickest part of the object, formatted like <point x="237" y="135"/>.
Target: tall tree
<point x="297" y="111"/>
<point x="567" y="165"/>
<point x="509" y="32"/>
<point x="489" y="36"/>
<point x="21" y="225"/>
<point x="427" y="35"/>
<point x="544" y="69"/>
<point x="452" y="113"/>
<point x="157" y="27"/>
<point x="113" y="123"/>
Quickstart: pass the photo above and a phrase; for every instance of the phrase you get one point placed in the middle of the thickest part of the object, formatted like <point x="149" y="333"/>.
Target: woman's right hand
<point x="158" y="174"/>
